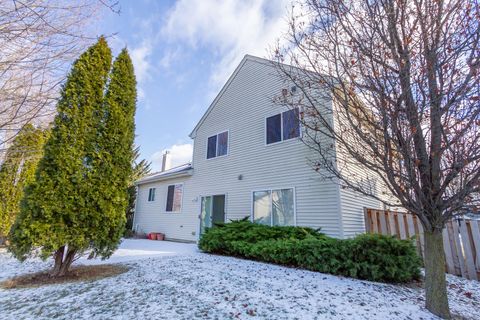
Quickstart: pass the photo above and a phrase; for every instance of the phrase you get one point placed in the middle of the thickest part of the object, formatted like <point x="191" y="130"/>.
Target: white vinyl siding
<point x="243" y="106"/>
<point x="152" y="216"/>
<point x="252" y="164"/>
<point x="352" y="203"/>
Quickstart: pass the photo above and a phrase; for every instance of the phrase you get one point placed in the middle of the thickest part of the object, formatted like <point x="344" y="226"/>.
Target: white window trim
<point x="216" y="150"/>
<point x="181" y="202"/>
<point x="300" y="129"/>
<point x="252" y="218"/>
<point x="154" y="194"/>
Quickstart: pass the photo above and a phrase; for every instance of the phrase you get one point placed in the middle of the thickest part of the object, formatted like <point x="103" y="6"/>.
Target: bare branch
<point x="403" y="78"/>
<point x="39" y="41"/>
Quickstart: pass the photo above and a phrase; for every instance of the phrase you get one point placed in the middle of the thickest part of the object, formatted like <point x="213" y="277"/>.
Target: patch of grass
<point x="76" y="274"/>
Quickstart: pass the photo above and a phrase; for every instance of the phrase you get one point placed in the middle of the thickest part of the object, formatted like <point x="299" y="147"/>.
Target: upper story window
<point x="174" y="198"/>
<point x="151" y="194"/>
<point x="283" y="126"/>
<point x="217" y="145"/>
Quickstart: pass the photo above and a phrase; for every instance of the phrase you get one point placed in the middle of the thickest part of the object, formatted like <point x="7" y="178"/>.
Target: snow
<point x="170" y="280"/>
<point x="136" y="249"/>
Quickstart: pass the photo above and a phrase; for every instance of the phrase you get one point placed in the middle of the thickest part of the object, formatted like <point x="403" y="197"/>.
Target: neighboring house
<point x="248" y="161"/>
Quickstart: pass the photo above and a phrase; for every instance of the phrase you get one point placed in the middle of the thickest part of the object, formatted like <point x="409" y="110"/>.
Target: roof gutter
<point x="167" y="176"/>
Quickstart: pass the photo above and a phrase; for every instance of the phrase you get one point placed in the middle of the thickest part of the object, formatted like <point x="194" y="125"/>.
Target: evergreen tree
<point x="114" y="161"/>
<point x="61" y="207"/>
<point x="140" y="169"/>
<point x="17" y="171"/>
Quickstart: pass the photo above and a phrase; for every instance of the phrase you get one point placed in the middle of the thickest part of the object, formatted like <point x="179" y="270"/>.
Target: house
<point x="248" y="161"/>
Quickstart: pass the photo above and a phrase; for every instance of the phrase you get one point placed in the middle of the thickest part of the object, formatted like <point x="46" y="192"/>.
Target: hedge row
<point x="367" y="256"/>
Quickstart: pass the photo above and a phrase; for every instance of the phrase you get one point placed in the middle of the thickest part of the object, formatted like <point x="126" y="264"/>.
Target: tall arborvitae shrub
<point x="17" y="171"/>
<point x="114" y="160"/>
<point x="61" y="209"/>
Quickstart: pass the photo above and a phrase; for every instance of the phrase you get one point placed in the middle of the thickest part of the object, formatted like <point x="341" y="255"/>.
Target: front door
<point x="212" y="211"/>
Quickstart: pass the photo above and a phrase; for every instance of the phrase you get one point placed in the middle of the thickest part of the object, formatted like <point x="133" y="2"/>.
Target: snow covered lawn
<point x="174" y="281"/>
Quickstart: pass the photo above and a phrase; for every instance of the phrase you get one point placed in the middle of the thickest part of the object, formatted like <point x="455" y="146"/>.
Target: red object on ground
<point x="160" y="236"/>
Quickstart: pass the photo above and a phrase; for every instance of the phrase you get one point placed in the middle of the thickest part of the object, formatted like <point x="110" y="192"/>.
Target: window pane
<point x="206" y="214"/>
<point x="261" y="207"/>
<point x="282" y="207"/>
<point x="291" y="126"/>
<point x="170" y="193"/>
<point x="212" y="147"/>
<point x="222" y="144"/>
<point x="177" y="198"/>
<point x="151" y="194"/>
<point x="274" y="129"/>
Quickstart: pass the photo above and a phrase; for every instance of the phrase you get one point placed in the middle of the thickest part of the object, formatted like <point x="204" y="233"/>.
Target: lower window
<point x="275" y="207"/>
<point x="174" y="198"/>
<point x="151" y="194"/>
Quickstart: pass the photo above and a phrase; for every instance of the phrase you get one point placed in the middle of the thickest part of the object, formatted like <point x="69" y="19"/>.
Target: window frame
<point x="151" y="193"/>
<point x="300" y="131"/>
<point x="252" y="204"/>
<point x="181" y="201"/>
<point x="216" y="146"/>
<point x="266" y="128"/>
<point x="208" y="144"/>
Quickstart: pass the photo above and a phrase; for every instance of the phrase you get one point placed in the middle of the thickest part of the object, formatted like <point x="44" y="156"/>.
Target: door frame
<point x="199" y="227"/>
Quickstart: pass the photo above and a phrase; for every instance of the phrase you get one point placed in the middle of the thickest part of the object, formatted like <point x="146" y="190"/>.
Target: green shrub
<point x="218" y="239"/>
<point x="382" y="258"/>
<point x="370" y="257"/>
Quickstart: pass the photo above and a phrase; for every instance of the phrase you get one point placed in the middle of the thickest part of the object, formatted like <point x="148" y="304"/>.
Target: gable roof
<point x="180" y="171"/>
<point x="246" y="58"/>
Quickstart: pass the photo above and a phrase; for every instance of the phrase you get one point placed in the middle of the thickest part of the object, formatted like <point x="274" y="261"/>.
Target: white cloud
<point x="228" y="27"/>
<point x="180" y="153"/>
<point x="169" y="57"/>
<point x="143" y="67"/>
<point x="140" y="58"/>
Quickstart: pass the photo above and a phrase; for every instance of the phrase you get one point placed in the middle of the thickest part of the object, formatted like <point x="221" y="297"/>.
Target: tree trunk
<point x="435" y="280"/>
<point x="58" y="257"/>
<point x="62" y="266"/>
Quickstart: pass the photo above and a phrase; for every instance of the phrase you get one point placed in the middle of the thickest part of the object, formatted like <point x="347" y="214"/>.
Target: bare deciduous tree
<point x="403" y="77"/>
<point x="39" y="39"/>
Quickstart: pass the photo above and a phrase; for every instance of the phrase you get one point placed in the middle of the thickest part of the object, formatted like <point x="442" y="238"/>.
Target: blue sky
<point x="183" y="52"/>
